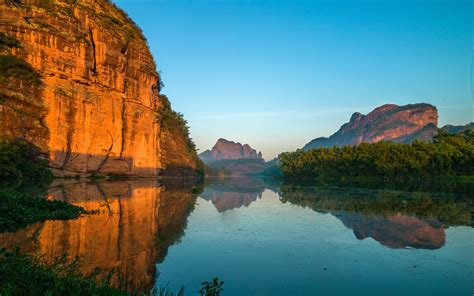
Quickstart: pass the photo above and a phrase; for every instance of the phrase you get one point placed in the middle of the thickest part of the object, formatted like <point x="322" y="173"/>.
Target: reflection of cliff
<point x="397" y="231"/>
<point x="233" y="193"/>
<point x="136" y="223"/>
<point x="393" y="218"/>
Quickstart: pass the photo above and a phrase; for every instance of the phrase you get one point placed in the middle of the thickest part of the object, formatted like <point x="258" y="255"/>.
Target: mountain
<point x="454" y="129"/>
<point x="228" y="158"/>
<point x="78" y="80"/>
<point x="228" y="150"/>
<point x="386" y="123"/>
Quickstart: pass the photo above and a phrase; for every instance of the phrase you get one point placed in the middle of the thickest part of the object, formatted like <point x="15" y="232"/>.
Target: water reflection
<point x="393" y="218"/>
<point x="396" y="231"/>
<point x="232" y="193"/>
<point x="136" y="223"/>
<point x="138" y="220"/>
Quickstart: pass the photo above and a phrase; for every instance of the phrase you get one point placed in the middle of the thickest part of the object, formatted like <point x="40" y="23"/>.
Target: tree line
<point x="445" y="155"/>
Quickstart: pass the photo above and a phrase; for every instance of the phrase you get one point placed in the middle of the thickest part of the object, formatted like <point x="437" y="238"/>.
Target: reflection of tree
<point x="447" y="208"/>
<point x="393" y="218"/>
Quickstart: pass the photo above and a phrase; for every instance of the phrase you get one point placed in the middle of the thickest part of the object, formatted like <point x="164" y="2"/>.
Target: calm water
<point x="264" y="238"/>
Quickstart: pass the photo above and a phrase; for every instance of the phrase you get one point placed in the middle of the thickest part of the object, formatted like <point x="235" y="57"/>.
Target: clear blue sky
<point x="276" y="74"/>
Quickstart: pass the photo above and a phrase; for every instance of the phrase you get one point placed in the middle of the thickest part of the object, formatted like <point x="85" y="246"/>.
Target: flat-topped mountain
<point x="386" y="123"/>
<point x="229" y="150"/>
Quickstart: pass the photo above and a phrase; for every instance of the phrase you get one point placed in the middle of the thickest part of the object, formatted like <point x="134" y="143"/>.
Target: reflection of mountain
<point x="233" y="193"/>
<point x="393" y="218"/>
<point x="137" y="222"/>
<point x="397" y="231"/>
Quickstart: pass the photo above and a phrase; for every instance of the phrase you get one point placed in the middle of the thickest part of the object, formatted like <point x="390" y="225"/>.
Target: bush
<point x="25" y="275"/>
<point x="13" y="67"/>
<point x="174" y="121"/>
<point x="22" y="160"/>
<point x="8" y="42"/>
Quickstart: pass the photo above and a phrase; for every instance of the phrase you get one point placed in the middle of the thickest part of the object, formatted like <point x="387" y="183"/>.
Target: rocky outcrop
<point x="96" y="109"/>
<point x="135" y="223"/>
<point x="386" y="123"/>
<point x="228" y="150"/>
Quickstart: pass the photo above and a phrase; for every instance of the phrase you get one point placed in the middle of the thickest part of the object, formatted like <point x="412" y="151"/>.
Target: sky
<point x="276" y="74"/>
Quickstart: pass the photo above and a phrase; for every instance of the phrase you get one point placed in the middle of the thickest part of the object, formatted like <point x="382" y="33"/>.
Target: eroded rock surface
<point x="386" y="123"/>
<point x="96" y="111"/>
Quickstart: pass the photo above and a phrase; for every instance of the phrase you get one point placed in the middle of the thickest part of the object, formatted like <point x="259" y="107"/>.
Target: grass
<point x="22" y="274"/>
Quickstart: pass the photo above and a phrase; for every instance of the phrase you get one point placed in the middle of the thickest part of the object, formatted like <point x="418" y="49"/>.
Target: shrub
<point x="13" y="67"/>
<point x="8" y="42"/>
<point x="22" y="160"/>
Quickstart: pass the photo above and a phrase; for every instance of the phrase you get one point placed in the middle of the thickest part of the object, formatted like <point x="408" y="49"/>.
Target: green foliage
<point x="16" y="3"/>
<point x="8" y="42"/>
<point x="25" y="275"/>
<point x="213" y="288"/>
<point x="46" y="4"/>
<point x="22" y="274"/>
<point x="18" y="209"/>
<point x="447" y="155"/>
<point x="174" y="121"/>
<point x="22" y="160"/>
<point x="13" y="67"/>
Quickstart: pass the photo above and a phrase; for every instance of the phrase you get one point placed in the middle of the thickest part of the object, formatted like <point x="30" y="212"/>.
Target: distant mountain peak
<point x="229" y="150"/>
<point x="389" y="122"/>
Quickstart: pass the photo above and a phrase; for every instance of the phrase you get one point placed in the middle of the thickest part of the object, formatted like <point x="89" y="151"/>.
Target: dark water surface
<point x="264" y="238"/>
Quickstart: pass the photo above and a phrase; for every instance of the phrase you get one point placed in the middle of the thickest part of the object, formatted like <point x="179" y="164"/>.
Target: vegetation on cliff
<point x="20" y="159"/>
<point x="447" y="155"/>
<point x="175" y="123"/>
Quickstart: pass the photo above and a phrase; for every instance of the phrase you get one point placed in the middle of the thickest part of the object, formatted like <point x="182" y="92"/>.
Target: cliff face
<point x="385" y="123"/>
<point x="96" y="110"/>
<point x="227" y="150"/>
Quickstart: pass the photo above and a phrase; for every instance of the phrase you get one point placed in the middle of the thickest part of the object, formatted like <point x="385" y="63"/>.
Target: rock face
<point x="96" y="111"/>
<point x="229" y="158"/>
<point x="386" y="123"/>
<point x="228" y="150"/>
<point x="137" y="221"/>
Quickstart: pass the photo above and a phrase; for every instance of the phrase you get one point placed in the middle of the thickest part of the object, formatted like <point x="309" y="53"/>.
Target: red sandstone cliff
<point x="385" y="123"/>
<point x="96" y="108"/>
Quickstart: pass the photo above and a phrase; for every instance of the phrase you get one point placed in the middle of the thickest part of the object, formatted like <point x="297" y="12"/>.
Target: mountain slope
<point x="386" y="123"/>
